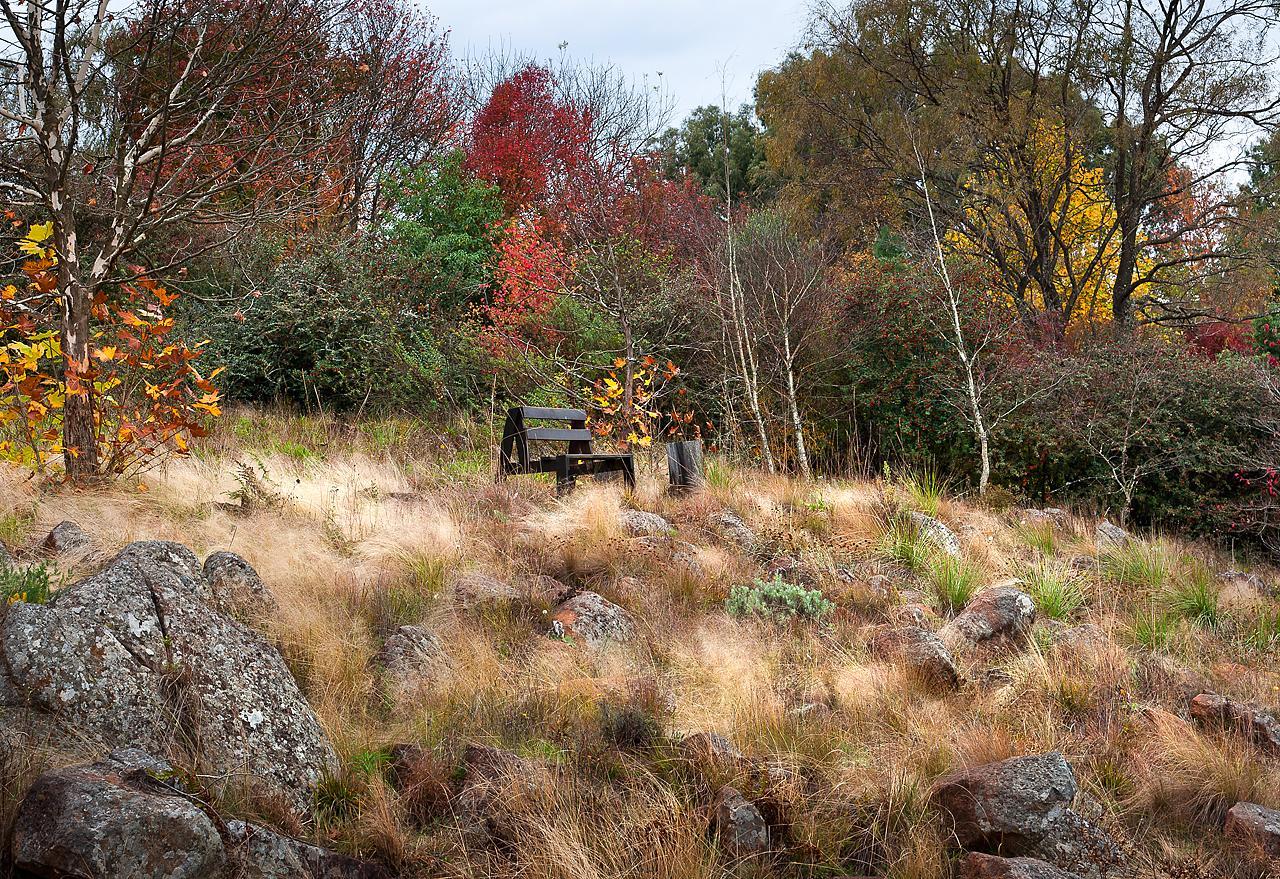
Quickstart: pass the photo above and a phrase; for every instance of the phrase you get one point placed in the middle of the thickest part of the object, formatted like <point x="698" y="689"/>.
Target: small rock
<point x="639" y="523"/>
<point x="259" y="853"/>
<point x="1087" y="636"/>
<point x="921" y="650"/>
<point x="1047" y="516"/>
<point x="790" y="570"/>
<point x="474" y="589"/>
<point x="710" y="748"/>
<point x="733" y="529"/>
<point x="114" y="819"/>
<point x="494" y="781"/>
<point x="411" y="655"/>
<point x="1218" y="712"/>
<point x="68" y="539"/>
<point x="1022" y="807"/>
<point x="686" y="558"/>
<point x="995" y="612"/>
<point x="7" y="561"/>
<point x="740" y="826"/>
<point x="1246" y="582"/>
<point x="237" y="588"/>
<point x="592" y="618"/>
<point x="549" y="590"/>
<point x="1111" y="537"/>
<point x="914" y="614"/>
<point x="1254" y="830"/>
<point x="979" y="866"/>
<point x="936" y="533"/>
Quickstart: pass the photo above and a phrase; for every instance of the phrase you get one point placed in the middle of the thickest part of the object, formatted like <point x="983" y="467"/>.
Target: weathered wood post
<point x="684" y="465"/>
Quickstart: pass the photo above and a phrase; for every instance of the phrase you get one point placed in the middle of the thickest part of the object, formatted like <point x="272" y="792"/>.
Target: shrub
<point x="30" y="584"/>
<point x="776" y="600"/>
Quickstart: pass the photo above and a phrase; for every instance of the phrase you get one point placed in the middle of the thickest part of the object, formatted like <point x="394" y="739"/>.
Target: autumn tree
<point x="394" y="101"/>
<point x="123" y="125"/>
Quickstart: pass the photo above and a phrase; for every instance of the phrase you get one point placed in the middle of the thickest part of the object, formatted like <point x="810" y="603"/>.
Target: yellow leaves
<point x="106" y="352"/>
<point x="8" y="293"/>
<point x="33" y="244"/>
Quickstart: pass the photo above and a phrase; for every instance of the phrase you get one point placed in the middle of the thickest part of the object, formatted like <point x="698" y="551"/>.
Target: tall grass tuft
<point x="953" y="581"/>
<point x="903" y="543"/>
<point x="1057" y="591"/>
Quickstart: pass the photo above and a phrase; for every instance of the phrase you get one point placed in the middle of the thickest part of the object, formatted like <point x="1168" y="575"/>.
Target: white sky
<point x="689" y="43"/>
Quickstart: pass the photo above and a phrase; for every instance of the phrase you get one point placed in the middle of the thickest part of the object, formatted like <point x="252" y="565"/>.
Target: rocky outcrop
<point x="235" y="587"/>
<point x="1218" y="712"/>
<point x="475" y="589"/>
<point x="1022" y="807"/>
<point x="979" y="866"/>
<point x="129" y="816"/>
<point x="592" y="619"/>
<point x="409" y="657"/>
<point x="934" y="532"/>
<point x="995" y="612"/>
<point x="1109" y="537"/>
<point x="639" y="523"/>
<point x="1254" y="831"/>
<point x="136" y="656"/>
<point x="739" y="825"/>
<point x="920" y="650"/>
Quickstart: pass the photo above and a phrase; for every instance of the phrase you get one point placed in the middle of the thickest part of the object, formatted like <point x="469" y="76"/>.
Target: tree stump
<point x="684" y="465"/>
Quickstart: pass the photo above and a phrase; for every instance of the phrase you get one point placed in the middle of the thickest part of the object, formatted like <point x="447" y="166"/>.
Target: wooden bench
<point x="579" y="460"/>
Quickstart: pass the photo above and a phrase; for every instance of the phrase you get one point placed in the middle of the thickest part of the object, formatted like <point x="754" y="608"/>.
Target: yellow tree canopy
<point x="1045" y="220"/>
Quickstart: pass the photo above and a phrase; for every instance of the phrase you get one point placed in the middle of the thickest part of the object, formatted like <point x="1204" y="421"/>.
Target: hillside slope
<point x="608" y="685"/>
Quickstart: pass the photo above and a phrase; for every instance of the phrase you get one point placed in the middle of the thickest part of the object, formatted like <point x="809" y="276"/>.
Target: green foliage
<point x="1262" y="630"/>
<point x="27" y="584"/>
<point x="953" y="581"/>
<point x="1056" y="590"/>
<point x="776" y="600"/>
<point x="442" y="222"/>
<point x="325" y="331"/>
<point x="697" y="148"/>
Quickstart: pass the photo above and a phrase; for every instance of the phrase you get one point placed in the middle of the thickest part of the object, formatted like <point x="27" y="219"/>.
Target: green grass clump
<point x="776" y="600"/>
<point x="1153" y="630"/>
<point x="902" y="542"/>
<point x="1141" y="565"/>
<point x="1195" y="599"/>
<point x="1056" y="590"/>
<point x="925" y="489"/>
<point x="1261" y="632"/>
<point x="953" y="581"/>
<point x="1040" y="536"/>
<point x="29" y="584"/>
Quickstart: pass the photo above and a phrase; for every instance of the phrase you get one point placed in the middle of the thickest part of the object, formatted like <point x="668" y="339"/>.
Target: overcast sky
<point x="690" y="43"/>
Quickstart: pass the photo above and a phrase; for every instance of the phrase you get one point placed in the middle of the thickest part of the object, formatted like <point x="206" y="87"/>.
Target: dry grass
<point x="369" y="523"/>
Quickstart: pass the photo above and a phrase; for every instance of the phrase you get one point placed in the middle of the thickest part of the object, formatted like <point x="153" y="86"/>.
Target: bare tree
<point x="123" y="127"/>
<point x="1181" y="80"/>
<point x="789" y="313"/>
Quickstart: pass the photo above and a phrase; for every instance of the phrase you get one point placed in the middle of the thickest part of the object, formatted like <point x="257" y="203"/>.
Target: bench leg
<point x="565" y="482"/>
<point x="629" y="473"/>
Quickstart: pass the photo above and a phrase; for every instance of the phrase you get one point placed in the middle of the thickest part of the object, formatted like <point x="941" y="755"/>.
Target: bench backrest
<point x="517" y="434"/>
